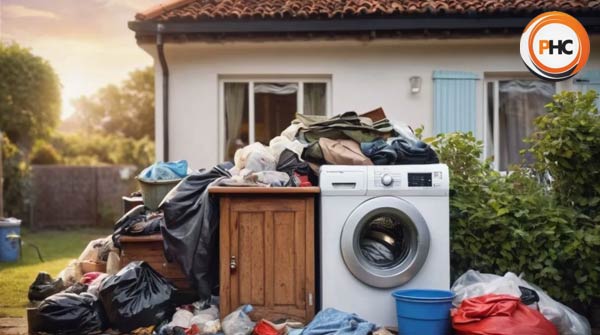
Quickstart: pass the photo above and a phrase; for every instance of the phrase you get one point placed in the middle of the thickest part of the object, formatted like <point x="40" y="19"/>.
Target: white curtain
<point x="281" y="89"/>
<point x="235" y="95"/>
<point x="314" y="99"/>
<point x="521" y="101"/>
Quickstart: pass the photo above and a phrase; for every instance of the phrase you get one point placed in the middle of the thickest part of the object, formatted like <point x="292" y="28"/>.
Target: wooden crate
<point x="150" y="249"/>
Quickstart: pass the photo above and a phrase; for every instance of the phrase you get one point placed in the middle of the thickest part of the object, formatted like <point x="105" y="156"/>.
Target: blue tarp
<point x="330" y="321"/>
<point x="165" y="171"/>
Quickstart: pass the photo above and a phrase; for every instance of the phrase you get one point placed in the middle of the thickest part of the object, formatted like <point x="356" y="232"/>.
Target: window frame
<point x="251" y="81"/>
<point x="495" y="79"/>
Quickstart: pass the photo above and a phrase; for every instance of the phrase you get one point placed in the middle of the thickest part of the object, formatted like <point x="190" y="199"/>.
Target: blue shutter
<point x="589" y="80"/>
<point x="455" y="101"/>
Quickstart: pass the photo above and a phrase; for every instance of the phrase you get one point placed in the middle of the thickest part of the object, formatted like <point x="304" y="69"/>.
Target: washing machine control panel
<point x="409" y="179"/>
<point x="387" y="180"/>
<point x="384" y="177"/>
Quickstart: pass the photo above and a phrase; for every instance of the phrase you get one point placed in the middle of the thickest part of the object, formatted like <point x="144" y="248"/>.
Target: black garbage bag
<point x="137" y="296"/>
<point x="138" y="221"/>
<point x="191" y="229"/>
<point x="76" y="288"/>
<point x="44" y="286"/>
<point x="70" y="313"/>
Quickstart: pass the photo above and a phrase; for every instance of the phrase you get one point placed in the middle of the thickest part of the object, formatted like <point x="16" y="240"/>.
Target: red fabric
<point x="89" y="277"/>
<point x="193" y="330"/>
<point x="264" y="327"/>
<point x="495" y="314"/>
<point x="304" y="182"/>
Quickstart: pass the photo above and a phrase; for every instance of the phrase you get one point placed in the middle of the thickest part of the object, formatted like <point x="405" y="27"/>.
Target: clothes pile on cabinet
<point x="294" y="157"/>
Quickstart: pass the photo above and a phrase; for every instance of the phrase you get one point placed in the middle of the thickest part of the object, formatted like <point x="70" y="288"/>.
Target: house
<point x="231" y="72"/>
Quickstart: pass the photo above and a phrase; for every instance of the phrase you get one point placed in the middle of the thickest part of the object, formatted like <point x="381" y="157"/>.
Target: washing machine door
<point x="385" y="242"/>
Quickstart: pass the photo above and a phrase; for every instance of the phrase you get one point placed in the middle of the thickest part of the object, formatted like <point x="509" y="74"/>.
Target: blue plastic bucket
<point x="10" y="239"/>
<point x="423" y="311"/>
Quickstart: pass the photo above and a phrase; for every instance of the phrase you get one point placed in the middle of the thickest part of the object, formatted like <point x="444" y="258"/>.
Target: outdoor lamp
<point x="415" y="84"/>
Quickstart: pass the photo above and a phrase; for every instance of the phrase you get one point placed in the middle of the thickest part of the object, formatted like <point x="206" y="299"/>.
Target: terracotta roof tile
<point x="190" y="10"/>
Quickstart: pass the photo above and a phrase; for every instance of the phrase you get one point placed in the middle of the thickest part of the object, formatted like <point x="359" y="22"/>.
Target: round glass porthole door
<point x="385" y="242"/>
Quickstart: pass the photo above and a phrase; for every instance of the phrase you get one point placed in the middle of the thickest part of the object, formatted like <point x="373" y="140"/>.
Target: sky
<point x="87" y="42"/>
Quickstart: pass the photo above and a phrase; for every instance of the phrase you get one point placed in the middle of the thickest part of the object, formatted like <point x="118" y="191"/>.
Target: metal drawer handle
<point x="233" y="263"/>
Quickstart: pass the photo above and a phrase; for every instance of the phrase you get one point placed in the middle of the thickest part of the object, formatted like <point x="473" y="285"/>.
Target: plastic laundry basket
<point x="10" y="239"/>
<point x="154" y="191"/>
<point x="423" y="311"/>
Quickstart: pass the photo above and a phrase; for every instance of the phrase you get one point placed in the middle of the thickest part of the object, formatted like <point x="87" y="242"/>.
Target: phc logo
<point x="555" y="46"/>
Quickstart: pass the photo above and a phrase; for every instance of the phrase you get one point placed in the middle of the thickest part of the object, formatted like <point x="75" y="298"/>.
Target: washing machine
<point x="382" y="228"/>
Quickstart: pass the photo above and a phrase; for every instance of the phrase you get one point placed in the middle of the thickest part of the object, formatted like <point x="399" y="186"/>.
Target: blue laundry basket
<point x="10" y="239"/>
<point x="423" y="311"/>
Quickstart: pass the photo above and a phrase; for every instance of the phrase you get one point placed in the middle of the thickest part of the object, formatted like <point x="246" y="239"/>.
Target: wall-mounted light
<point x="415" y="84"/>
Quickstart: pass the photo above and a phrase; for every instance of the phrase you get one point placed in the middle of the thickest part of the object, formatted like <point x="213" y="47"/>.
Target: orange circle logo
<point x="555" y="46"/>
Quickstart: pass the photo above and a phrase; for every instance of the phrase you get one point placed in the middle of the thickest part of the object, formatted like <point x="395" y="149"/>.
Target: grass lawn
<point x="58" y="247"/>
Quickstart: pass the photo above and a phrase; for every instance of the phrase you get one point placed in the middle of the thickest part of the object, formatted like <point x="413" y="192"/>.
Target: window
<point x="511" y="107"/>
<point x="258" y="110"/>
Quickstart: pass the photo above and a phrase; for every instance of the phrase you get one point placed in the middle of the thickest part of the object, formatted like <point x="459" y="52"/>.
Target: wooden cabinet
<point x="149" y="248"/>
<point x="267" y="255"/>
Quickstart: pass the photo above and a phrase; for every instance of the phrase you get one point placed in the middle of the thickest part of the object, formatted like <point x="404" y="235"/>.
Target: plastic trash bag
<point x="211" y="327"/>
<point x="137" y="296"/>
<point x="238" y="322"/>
<point x="473" y="284"/>
<point x="72" y="273"/>
<point x="191" y="229"/>
<point x="495" y="314"/>
<point x="44" y="286"/>
<point x="165" y="171"/>
<point x="254" y="158"/>
<point x="76" y="288"/>
<point x="182" y="318"/>
<point x="205" y="315"/>
<point x="94" y="286"/>
<point x="69" y="313"/>
<point x="113" y="263"/>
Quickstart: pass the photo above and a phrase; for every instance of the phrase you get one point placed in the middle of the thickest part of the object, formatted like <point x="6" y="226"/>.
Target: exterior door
<point x="269" y="256"/>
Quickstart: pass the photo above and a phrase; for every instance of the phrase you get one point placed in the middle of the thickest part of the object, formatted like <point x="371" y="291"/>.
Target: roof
<point x="221" y="20"/>
<point x="192" y="10"/>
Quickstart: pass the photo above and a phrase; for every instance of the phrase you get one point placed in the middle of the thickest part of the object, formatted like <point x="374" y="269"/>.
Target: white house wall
<point x="364" y="75"/>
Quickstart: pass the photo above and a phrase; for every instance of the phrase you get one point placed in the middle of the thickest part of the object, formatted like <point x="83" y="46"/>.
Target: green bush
<point x="566" y="146"/>
<point x="43" y="153"/>
<point x="16" y="180"/>
<point x="513" y="222"/>
<point x="100" y="149"/>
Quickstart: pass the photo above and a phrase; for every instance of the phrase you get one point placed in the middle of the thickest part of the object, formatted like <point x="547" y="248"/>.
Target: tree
<point x="126" y="109"/>
<point x="29" y="96"/>
<point x="43" y="153"/>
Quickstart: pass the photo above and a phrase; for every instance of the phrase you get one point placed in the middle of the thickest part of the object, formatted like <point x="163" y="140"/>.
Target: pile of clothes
<point x="352" y="139"/>
<point x="294" y="157"/>
<point x="195" y="320"/>
<point x="138" y="221"/>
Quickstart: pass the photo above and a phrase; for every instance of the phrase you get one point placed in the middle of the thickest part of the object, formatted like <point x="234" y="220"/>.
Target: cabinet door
<point x="267" y="256"/>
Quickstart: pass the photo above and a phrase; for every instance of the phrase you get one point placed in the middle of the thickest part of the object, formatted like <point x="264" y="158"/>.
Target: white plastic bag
<point x="207" y="320"/>
<point x="238" y="322"/>
<point x="205" y="315"/>
<point x="72" y="273"/>
<point x="182" y="318"/>
<point x="253" y="158"/>
<point x="474" y="284"/>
